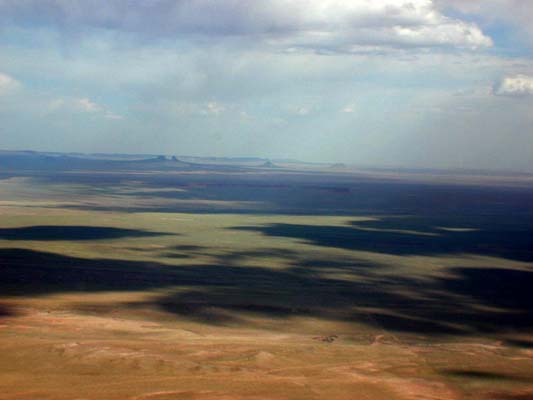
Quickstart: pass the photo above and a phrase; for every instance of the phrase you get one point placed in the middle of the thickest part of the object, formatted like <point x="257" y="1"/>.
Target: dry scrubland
<point x="263" y="285"/>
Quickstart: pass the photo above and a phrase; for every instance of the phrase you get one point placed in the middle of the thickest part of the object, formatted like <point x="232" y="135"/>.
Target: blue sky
<point x="412" y="83"/>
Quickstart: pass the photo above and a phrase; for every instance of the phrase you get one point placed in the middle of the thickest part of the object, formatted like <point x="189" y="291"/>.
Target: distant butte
<point x="269" y="164"/>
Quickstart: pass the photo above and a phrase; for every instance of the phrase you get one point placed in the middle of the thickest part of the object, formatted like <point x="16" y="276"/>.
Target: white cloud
<point x="322" y="25"/>
<point x="74" y="104"/>
<point x="210" y="108"/>
<point x="355" y="25"/>
<point x="81" y="105"/>
<point x="213" y="108"/>
<point x="514" y="86"/>
<point x="86" y="105"/>
<point x="7" y="84"/>
<point x="302" y="111"/>
<point x="349" y="109"/>
<point x="299" y="111"/>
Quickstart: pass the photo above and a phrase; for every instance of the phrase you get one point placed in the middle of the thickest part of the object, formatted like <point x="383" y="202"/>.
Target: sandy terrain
<point x="52" y="353"/>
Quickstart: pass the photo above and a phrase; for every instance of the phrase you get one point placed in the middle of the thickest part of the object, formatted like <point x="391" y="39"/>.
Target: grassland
<point x="260" y="284"/>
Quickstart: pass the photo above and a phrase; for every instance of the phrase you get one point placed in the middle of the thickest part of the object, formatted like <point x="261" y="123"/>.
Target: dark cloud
<point x="321" y="24"/>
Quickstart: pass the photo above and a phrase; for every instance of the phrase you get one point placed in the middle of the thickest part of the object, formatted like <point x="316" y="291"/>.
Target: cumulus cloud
<point x="326" y="25"/>
<point x="514" y="86"/>
<point x="7" y="84"/>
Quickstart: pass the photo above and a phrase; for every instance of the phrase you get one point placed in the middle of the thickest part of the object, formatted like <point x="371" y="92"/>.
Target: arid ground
<point x="261" y="283"/>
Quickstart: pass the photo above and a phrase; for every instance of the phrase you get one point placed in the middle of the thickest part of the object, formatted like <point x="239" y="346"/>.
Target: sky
<point x="401" y="83"/>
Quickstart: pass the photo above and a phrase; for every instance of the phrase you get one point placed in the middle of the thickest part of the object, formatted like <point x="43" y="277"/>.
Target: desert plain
<point x="158" y="282"/>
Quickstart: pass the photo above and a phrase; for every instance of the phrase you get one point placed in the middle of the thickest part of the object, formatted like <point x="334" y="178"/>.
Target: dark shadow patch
<point x="6" y="311"/>
<point x="523" y="344"/>
<point x="201" y="312"/>
<point x="468" y="301"/>
<point x="423" y="324"/>
<point x="211" y="303"/>
<point x="324" y="266"/>
<point x="50" y="233"/>
<point x="484" y="375"/>
<point x="504" y="288"/>
<point x="26" y="272"/>
<point x="414" y="236"/>
<point x="295" y="193"/>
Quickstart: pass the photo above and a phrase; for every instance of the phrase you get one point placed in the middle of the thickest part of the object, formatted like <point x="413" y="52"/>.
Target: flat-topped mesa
<point x="269" y="164"/>
<point x="338" y="165"/>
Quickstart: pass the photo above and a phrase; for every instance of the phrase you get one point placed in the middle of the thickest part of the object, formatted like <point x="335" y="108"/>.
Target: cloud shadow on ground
<point x="65" y="232"/>
<point x="466" y="301"/>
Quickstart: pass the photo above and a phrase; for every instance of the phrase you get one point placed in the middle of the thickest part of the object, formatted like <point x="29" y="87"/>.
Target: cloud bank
<point x="319" y="25"/>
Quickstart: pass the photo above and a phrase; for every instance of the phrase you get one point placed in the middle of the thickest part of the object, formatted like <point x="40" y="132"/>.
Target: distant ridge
<point x="338" y="166"/>
<point x="27" y="160"/>
<point x="50" y="161"/>
<point x="269" y="164"/>
<point x="47" y="162"/>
